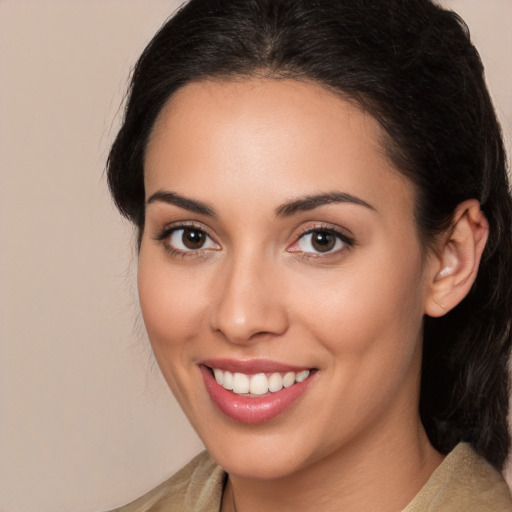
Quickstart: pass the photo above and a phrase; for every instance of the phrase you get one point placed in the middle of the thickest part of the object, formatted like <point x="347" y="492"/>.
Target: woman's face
<point x="279" y="240"/>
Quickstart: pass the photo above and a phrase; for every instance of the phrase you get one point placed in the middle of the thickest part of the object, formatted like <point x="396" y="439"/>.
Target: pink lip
<point x="253" y="411"/>
<point x="252" y="366"/>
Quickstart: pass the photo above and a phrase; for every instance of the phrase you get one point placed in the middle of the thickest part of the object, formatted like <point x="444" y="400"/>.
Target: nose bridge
<point x="249" y="297"/>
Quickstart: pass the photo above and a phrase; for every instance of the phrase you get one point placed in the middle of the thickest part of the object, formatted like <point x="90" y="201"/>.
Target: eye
<point x="320" y="241"/>
<point x="187" y="239"/>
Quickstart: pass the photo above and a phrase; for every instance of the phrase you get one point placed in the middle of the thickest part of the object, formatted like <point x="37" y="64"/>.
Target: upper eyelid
<point x="164" y="231"/>
<point x="344" y="233"/>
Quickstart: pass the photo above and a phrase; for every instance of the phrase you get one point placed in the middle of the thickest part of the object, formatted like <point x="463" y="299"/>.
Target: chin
<point x="258" y="456"/>
<point x="256" y="466"/>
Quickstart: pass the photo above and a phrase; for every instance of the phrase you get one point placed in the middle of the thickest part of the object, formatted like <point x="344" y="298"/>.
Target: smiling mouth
<point x="258" y="384"/>
<point x="257" y="391"/>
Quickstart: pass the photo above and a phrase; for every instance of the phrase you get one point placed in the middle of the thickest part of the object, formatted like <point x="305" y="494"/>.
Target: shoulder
<point x="196" y="487"/>
<point x="464" y="482"/>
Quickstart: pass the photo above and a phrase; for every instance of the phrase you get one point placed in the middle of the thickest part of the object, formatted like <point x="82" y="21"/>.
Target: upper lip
<point x="252" y="366"/>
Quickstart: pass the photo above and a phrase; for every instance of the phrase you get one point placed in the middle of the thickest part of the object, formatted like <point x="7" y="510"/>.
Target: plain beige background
<point x="86" y="422"/>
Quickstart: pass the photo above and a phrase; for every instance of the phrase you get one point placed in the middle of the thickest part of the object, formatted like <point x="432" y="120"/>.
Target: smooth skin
<point x="228" y="269"/>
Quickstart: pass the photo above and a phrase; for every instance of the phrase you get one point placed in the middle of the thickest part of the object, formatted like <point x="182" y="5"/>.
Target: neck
<point x="384" y="475"/>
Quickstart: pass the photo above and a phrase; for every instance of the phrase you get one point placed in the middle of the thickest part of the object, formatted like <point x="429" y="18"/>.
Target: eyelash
<point x="164" y="238"/>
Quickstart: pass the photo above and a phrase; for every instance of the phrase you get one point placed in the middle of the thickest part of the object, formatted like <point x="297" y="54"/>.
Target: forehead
<point x="268" y="137"/>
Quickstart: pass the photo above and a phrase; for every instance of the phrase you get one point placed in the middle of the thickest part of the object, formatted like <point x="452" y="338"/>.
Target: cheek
<point x="171" y="308"/>
<point x="171" y="304"/>
<point x="371" y="310"/>
<point x="369" y="326"/>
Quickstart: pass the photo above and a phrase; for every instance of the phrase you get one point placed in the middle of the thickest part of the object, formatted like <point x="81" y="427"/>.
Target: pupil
<point x="323" y="241"/>
<point x="193" y="238"/>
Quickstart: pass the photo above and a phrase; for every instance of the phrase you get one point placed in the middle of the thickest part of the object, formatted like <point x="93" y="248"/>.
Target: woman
<point x="324" y="225"/>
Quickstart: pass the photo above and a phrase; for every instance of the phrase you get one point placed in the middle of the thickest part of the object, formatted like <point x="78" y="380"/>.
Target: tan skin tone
<point x="257" y="287"/>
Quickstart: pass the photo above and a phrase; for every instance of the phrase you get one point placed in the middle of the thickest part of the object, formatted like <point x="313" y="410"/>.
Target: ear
<point x="454" y="266"/>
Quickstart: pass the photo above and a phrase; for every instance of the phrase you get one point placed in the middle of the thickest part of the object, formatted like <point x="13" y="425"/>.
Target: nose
<point x="249" y="301"/>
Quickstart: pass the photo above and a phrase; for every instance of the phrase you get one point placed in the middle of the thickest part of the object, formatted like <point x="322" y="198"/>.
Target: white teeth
<point x="302" y="376"/>
<point x="275" y="382"/>
<point x="240" y="383"/>
<point x="258" y="384"/>
<point x="227" y="381"/>
<point x="219" y="376"/>
<point x="289" y="379"/>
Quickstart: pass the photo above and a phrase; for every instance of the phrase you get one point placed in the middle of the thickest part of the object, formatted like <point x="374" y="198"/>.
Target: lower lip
<point x="251" y="410"/>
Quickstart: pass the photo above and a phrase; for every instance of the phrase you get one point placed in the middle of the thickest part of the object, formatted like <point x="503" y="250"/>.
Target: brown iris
<point x="193" y="238"/>
<point x="323" y="241"/>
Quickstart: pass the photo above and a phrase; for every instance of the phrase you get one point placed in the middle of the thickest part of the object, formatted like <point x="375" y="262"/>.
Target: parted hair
<point x="411" y="64"/>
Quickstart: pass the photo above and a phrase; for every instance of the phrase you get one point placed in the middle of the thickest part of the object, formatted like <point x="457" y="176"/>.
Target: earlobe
<point x="456" y="263"/>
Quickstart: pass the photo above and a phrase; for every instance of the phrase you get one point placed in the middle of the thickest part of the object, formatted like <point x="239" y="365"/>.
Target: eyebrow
<point x="285" y="210"/>
<point x="183" y="202"/>
<point x="311" y="202"/>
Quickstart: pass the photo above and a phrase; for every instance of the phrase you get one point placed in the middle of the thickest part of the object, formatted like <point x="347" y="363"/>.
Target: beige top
<point x="464" y="482"/>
